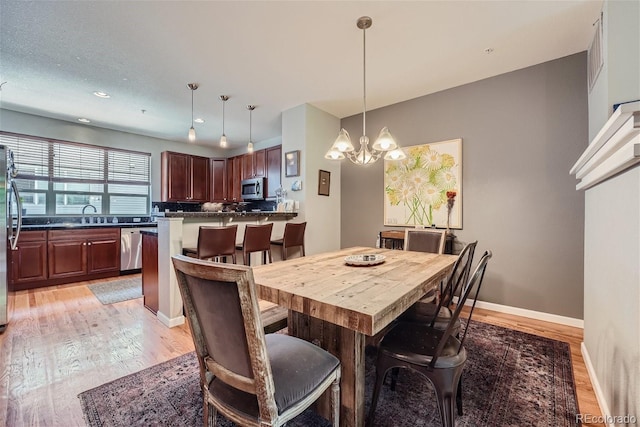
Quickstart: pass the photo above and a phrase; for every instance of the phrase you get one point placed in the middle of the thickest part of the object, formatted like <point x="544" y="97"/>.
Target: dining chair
<point x="425" y="240"/>
<point x="440" y="314"/>
<point x="250" y="378"/>
<point x="257" y="238"/>
<point x="438" y="355"/>
<point x="293" y="237"/>
<point x="214" y="243"/>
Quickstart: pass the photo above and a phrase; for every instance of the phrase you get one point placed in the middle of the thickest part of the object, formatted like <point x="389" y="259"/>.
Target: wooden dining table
<point x="336" y="306"/>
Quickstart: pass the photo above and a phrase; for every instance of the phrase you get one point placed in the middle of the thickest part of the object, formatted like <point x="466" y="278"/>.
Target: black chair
<point x="425" y="240"/>
<point x="250" y="378"/>
<point x="440" y="315"/>
<point x="434" y="353"/>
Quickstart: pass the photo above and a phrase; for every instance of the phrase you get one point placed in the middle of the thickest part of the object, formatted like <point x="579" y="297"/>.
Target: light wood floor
<point x="62" y="341"/>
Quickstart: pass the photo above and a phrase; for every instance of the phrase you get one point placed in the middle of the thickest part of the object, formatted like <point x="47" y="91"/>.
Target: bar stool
<point x="214" y="242"/>
<point x="257" y="238"/>
<point x="293" y="237"/>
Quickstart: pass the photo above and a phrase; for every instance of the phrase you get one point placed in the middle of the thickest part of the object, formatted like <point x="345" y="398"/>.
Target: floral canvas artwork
<point x="425" y="188"/>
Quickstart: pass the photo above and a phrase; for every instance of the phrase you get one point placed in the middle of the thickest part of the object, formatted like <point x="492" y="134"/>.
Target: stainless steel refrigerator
<point x="10" y="224"/>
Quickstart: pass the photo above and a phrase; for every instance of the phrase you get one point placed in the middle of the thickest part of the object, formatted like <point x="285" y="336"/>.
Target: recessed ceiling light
<point x="199" y="120"/>
<point x="488" y="50"/>
<point x="83" y="120"/>
<point x="101" y="94"/>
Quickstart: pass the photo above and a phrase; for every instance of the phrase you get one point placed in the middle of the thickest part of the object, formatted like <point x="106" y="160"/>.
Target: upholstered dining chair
<point x="293" y="237"/>
<point x="257" y="238"/>
<point x="250" y="378"/>
<point x="425" y="240"/>
<point x="214" y="243"/>
<point x="435" y="354"/>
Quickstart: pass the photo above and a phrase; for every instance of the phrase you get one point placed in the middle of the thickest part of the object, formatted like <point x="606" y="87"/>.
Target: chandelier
<point x="342" y="147"/>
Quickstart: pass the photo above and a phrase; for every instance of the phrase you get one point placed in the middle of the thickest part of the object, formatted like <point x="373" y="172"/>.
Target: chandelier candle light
<point x="192" y="131"/>
<point x="342" y="147"/>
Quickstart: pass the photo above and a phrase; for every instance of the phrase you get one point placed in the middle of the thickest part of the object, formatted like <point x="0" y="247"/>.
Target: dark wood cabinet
<point x="234" y="177"/>
<point x="273" y="169"/>
<point x="91" y="253"/>
<point x="185" y="178"/>
<point x="150" y="271"/>
<point x="29" y="259"/>
<point x="218" y="187"/>
<point x="253" y="165"/>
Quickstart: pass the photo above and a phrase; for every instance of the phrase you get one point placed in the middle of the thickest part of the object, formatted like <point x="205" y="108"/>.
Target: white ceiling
<point x="274" y="54"/>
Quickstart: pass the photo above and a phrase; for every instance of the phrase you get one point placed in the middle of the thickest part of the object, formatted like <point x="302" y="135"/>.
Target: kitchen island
<point x="177" y="230"/>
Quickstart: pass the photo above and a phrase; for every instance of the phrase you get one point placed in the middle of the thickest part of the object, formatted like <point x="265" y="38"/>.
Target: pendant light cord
<point x="223" y="102"/>
<point x="364" y="81"/>
<point x="191" y="107"/>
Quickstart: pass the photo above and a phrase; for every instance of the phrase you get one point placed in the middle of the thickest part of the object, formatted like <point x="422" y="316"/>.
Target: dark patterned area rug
<point x="117" y="290"/>
<point x="511" y="379"/>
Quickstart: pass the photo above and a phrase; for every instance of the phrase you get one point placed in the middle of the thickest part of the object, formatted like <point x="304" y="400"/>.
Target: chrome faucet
<point x="90" y="218"/>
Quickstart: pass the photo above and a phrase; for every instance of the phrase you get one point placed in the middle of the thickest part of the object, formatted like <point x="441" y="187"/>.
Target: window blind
<point x="128" y="167"/>
<point x="31" y="156"/>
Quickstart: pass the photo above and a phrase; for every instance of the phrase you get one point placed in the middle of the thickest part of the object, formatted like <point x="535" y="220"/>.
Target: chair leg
<point x="445" y="383"/>
<point x="382" y="367"/>
<point x="459" y="397"/>
<point x="335" y="403"/>
<point x="209" y="414"/>
<point x="394" y="378"/>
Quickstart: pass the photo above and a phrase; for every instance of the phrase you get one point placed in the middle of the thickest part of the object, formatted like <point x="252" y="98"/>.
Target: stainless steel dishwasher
<point x="130" y="249"/>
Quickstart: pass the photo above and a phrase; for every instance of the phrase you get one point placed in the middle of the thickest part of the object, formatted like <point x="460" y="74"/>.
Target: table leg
<point x="348" y="346"/>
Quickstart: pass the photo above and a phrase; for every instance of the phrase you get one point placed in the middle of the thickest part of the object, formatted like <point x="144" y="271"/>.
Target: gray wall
<point x="27" y="124"/>
<point x="521" y="132"/>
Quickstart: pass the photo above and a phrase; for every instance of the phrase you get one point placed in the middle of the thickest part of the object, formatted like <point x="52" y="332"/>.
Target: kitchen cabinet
<point x="185" y="178"/>
<point x="253" y="164"/>
<point x="234" y="176"/>
<point x="75" y="253"/>
<point x="218" y="187"/>
<point x="29" y="260"/>
<point x="273" y="169"/>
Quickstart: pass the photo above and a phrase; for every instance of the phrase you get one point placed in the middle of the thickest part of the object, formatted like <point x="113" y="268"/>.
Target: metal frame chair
<point x="438" y="355"/>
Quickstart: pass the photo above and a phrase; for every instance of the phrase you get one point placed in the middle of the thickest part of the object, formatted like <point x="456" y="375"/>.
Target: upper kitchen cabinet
<point x="185" y="178"/>
<point x="218" y="188"/>
<point x="253" y="164"/>
<point x="274" y="169"/>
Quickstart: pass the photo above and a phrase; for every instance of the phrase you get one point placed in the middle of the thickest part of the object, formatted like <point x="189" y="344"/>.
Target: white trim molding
<point x="531" y="314"/>
<point x="614" y="149"/>
<point x="602" y="402"/>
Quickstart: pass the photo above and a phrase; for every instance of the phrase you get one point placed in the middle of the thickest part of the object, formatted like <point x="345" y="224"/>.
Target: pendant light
<point x="342" y="147"/>
<point x="192" y="131"/>
<point x="250" y="144"/>
<point x="223" y="138"/>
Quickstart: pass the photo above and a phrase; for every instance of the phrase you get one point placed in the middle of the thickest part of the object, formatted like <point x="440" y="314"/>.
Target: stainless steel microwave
<point x="252" y="189"/>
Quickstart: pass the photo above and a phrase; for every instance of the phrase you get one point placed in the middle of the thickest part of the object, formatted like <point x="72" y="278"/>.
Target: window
<point x="60" y="178"/>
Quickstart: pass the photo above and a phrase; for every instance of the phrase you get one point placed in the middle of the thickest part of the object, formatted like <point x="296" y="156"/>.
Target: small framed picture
<point x="292" y="163"/>
<point x="324" y="181"/>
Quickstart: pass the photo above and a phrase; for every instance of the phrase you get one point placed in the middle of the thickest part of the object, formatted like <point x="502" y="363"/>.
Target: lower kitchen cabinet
<point x="83" y="252"/>
<point x="29" y="260"/>
<point x="150" y="271"/>
<point x="55" y="257"/>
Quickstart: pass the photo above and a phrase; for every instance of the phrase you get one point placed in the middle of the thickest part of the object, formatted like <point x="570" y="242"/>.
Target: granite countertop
<point x="250" y="214"/>
<point x="80" y="226"/>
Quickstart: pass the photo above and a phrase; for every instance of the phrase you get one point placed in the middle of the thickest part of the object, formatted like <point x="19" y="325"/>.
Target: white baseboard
<point x="538" y="315"/>
<point x="170" y="322"/>
<point x="602" y="402"/>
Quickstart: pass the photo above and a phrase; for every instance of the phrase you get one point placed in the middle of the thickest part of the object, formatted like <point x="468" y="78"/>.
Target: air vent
<point x="595" y="55"/>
